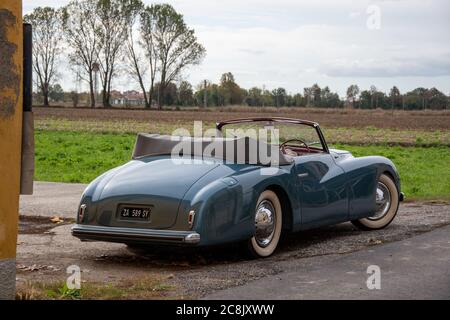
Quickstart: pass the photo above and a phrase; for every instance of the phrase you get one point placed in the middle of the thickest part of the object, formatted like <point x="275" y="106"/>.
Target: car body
<point x="215" y="201"/>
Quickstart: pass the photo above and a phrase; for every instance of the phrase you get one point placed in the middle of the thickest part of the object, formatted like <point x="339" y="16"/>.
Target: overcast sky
<point x="293" y="44"/>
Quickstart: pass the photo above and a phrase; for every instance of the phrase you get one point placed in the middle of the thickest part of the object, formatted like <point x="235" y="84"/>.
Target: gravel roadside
<point x="43" y="256"/>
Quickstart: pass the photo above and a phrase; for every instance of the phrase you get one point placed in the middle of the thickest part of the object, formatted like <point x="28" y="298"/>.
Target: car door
<point x="322" y="191"/>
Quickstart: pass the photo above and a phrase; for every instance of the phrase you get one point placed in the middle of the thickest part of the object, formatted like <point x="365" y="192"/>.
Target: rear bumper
<point x="402" y="196"/>
<point x="125" y="235"/>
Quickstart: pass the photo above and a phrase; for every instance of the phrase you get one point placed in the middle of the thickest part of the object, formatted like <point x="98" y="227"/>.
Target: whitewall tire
<point x="387" y="202"/>
<point x="268" y="225"/>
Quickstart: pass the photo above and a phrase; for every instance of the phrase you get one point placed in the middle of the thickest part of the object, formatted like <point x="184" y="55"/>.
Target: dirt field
<point x="332" y="118"/>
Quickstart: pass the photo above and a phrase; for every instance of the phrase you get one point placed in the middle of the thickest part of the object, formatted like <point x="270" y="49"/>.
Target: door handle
<point x="303" y="175"/>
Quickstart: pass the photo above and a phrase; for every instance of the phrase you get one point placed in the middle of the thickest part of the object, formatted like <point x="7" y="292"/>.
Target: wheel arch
<point x="286" y="206"/>
<point x="390" y="175"/>
<point x="396" y="179"/>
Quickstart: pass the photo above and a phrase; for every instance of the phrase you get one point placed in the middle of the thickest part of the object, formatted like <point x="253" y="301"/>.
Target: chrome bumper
<point x="115" y="234"/>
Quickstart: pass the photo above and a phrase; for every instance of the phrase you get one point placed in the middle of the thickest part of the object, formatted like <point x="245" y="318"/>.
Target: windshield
<point x="275" y="132"/>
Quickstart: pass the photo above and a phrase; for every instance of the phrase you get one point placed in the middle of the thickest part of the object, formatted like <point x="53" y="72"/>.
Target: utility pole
<point x="78" y="84"/>
<point x="14" y="128"/>
<point x="263" y="95"/>
<point x="95" y="69"/>
<point x="205" y="95"/>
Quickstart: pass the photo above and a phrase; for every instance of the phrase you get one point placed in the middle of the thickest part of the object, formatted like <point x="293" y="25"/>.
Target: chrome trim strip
<point x="192" y="238"/>
<point x="116" y="234"/>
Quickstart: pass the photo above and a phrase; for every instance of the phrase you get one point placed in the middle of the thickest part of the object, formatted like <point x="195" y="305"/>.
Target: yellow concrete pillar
<point x="11" y="60"/>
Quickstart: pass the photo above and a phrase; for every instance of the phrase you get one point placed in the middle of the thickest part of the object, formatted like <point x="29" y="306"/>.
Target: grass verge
<point x="145" y="288"/>
<point x="67" y="156"/>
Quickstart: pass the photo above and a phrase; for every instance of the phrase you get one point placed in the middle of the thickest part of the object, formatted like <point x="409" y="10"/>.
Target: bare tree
<point x="80" y="28"/>
<point x="394" y="96"/>
<point x="136" y="63"/>
<point x="352" y="94"/>
<point x="308" y="93"/>
<point x="373" y="96"/>
<point x="148" y="25"/>
<point x="47" y="37"/>
<point x="176" y="44"/>
<point x="114" y="16"/>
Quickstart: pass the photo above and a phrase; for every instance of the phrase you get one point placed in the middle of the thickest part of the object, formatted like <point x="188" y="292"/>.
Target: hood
<point x="157" y="182"/>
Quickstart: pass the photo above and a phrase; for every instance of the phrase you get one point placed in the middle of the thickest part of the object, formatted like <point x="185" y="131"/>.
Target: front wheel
<point x="268" y="222"/>
<point x="387" y="202"/>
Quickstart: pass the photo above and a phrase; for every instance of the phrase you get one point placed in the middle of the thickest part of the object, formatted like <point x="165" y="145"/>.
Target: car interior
<point x="297" y="148"/>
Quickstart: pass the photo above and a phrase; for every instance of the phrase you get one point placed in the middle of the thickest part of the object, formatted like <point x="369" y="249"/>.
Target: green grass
<point x="79" y="156"/>
<point x="424" y="172"/>
<point x="66" y="156"/>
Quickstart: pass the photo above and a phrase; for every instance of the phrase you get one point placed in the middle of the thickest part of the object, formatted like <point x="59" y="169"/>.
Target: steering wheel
<point x="283" y="145"/>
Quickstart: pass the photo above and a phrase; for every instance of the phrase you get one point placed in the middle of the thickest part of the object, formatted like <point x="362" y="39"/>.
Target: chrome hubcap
<point x="382" y="201"/>
<point x="265" y="223"/>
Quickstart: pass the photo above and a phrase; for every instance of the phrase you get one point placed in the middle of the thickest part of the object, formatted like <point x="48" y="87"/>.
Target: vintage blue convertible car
<point x="239" y="190"/>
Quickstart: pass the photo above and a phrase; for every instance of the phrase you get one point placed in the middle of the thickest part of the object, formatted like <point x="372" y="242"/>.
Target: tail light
<point x="81" y="212"/>
<point x="191" y="217"/>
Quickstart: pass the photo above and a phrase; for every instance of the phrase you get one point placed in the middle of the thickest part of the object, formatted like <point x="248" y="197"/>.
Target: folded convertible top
<point x="231" y="150"/>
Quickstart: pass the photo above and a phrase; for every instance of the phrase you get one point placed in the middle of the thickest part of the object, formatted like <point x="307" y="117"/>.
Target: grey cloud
<point x="252" y="51"/>
<point x="421" y="67"/>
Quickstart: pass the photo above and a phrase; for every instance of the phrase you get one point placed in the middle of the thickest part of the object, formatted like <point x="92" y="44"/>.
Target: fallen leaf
<point x="373" y="241"/>
<point x="56" y="219"/>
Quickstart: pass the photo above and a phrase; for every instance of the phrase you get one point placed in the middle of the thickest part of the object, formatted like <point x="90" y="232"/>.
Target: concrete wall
<point x="11" y="61"/>
<point x="7" y="278"/>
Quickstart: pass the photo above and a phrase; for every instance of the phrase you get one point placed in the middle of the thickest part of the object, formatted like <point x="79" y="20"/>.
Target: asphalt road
<point x="52" y="199"/>
<point x="326" y="263"/>
<point x="416" y="268"/>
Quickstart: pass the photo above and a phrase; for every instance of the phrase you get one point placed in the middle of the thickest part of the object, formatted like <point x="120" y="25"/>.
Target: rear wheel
<point x="268" y="223"/>
<point x="387" y="202"/>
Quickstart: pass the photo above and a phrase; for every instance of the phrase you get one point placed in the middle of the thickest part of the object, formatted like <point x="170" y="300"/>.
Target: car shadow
<point x="292" y="245"/>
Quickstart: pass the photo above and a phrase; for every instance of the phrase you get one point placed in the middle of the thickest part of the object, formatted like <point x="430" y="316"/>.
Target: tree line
<point x="153" y="45"/>
<point x="228" y="92"/>
<point x="417" y="99"/>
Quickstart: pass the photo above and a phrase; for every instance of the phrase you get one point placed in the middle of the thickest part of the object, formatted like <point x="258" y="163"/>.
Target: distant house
<point x="117" y="98"/>
<point x="134" y="98"/>
<point x="128" y="98"/>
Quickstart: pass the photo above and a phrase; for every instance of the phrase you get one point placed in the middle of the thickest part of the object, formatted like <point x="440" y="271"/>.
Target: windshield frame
<point x="315" y="125"/>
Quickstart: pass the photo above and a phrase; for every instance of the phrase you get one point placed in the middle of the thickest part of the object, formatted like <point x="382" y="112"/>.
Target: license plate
<point x="135" y="213"/>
